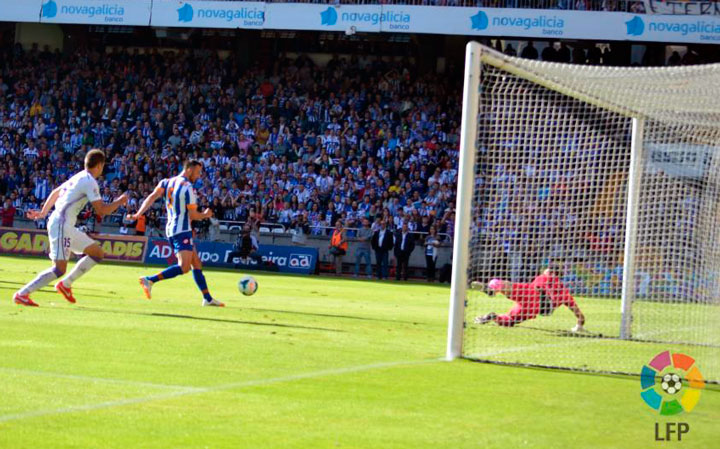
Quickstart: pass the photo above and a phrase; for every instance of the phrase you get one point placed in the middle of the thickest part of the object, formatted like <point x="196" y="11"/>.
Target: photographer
<point x="300" y="228"/>
<point x="246" y="247"/>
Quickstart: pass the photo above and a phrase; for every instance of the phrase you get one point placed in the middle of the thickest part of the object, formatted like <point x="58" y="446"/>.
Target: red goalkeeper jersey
<point x="527" y="298"/>
<point x="555" y="289"/>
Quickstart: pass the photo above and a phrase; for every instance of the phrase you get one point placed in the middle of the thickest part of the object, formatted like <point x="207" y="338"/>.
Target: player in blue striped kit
<point x="181" y="207"/>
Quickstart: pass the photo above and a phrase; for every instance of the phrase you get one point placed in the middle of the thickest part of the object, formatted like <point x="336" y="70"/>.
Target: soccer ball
<point x="247" y="285"/>
<point x="671" y="383"/>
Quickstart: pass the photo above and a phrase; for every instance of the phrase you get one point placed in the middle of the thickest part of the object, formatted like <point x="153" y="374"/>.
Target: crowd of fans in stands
<point x="293" y="143"/>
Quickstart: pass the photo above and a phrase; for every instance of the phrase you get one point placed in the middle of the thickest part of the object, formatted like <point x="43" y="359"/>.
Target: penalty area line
<point x="212" y="389"/>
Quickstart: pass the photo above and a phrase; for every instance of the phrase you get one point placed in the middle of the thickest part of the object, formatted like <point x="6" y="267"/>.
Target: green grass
<point x="307" y="362"/>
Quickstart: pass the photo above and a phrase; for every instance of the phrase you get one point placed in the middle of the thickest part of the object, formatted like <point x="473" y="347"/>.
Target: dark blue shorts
<point x="182" y="242"/>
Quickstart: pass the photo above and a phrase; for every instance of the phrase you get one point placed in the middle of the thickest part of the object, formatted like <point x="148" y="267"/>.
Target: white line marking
<point x="28" y="372"/>
<point x="574" y="342"/>
<point x="189" y="392"/>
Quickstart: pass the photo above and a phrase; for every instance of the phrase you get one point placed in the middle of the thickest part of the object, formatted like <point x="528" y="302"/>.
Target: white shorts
<point x="66" y="239"/>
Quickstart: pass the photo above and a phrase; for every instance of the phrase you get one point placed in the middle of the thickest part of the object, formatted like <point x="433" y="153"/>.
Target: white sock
<point x="80" y="268"/>
<point x="42" y="279"/>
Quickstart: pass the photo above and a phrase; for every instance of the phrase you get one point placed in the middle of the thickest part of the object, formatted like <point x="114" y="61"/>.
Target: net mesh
<point x="551" y="178"/>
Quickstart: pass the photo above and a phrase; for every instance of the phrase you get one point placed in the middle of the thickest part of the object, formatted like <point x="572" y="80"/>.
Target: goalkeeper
<point x="540" y="297"/>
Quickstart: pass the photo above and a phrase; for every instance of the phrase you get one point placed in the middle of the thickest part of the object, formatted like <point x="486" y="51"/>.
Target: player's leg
<point x="183" y="246"/>
<point x="201" y="283"/>
<point x="45" y="277"/>
<point x="516" y="315"/>
<point x="59" y="253"/>
<point x="80" y="243"/>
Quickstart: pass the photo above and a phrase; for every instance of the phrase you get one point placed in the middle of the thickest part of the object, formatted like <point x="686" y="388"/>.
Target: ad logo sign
<point x="185" y="13"/>
<point x="328" y="17"/>
<point x="49" y="9"/>
<point x="479" y="21"/>
<point x="635" y="26"/>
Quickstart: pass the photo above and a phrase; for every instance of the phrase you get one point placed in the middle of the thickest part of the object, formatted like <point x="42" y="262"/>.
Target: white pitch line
<point x="202" y="390"/>
<point x="28" y="372"/>
<point x="574" y="342"/>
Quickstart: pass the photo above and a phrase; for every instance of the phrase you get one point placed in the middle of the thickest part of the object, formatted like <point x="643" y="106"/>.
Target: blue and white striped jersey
<point x="179" y="194"/>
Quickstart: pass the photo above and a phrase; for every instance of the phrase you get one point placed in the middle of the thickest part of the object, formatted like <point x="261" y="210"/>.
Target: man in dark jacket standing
<point x="404" y="246"/>
<point x="382" y="243"/>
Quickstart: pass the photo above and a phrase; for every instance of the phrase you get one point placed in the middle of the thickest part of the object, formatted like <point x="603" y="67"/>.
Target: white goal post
<point x="611" y="176"/>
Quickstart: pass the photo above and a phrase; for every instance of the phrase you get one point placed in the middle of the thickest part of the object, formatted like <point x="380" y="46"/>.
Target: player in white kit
<point x="181" y="208"/>
<point x="69" y="199"/>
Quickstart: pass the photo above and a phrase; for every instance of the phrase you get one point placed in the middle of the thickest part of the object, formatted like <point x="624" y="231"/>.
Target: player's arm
<point x="195" y="215"/>
<point x="578" y="314"/>
<point x="147" y="202"/>
<point x="49" y="203"/>
<point x="103" y="209"/>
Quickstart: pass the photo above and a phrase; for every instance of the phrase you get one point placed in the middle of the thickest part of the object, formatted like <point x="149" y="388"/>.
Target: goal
<point x="611" y="176"/>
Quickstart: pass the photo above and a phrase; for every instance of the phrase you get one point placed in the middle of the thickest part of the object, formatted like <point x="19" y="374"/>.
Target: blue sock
<point x="202" y="284"/>
<point x="167" y="273"/>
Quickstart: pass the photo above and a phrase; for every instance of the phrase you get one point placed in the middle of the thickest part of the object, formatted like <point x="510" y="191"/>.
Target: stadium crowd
<point x="292" y="143"/>
<point x="295" y="145"/>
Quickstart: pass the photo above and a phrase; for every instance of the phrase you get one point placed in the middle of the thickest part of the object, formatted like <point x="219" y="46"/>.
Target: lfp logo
<point x="185" y="13"/>
<point x="671" y="383"/>
<point x="328" y="17"/>
<point x="635" y="26"/>
<point x="479" y="21"/>
<point x="49" y="9"/>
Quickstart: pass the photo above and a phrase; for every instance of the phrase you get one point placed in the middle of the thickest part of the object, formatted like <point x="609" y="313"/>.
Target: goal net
<point x="610" y="176"/>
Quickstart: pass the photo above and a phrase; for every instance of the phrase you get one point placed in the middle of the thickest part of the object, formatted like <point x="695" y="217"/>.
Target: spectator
<point x="404" y="246"/>
<point x="563" y="54"/>
<point x="214" y="231"/>
<point x="509" y="50"/>
<point x="7" y="213"/>
<point x="141" y="225"/>
<point x="362" y="250"/>
<point x="338" y="246"/>
<point x="550" y="54"/>
<point x="382" y="243"/>
<point x="246" y="247"/>
<point x="300" y="228"/>
<point x="432" y="243"/>
<point x="529" y="52"/>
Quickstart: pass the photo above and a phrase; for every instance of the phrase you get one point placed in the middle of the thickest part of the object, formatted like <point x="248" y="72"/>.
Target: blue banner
<point x="283" y="259"/>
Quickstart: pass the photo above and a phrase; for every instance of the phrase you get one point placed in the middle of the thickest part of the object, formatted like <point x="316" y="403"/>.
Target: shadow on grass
<point x="200" y="318"/>
<point x="328" y="315"/>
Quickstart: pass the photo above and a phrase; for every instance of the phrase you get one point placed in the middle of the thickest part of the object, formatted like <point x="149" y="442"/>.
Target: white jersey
<point x="75" y="193"/>
<point x="179" y="197"/>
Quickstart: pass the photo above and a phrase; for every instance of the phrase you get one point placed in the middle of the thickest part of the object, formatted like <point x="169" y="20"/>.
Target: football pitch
<point x="307" y="362"/>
